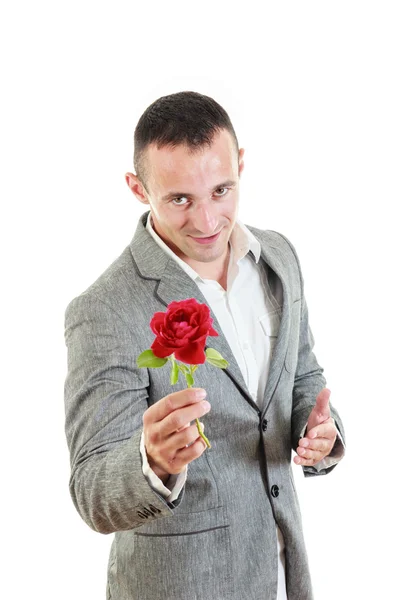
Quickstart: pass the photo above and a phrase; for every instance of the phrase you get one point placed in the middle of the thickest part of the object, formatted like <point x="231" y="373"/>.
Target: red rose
<point x="182" y="330"/>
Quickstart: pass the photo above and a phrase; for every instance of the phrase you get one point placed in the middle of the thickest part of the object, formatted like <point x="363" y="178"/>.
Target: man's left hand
<point x="320" y="433"/>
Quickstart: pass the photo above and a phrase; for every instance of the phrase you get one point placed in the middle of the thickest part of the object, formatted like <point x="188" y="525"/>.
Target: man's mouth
<point x="206" y="240"/>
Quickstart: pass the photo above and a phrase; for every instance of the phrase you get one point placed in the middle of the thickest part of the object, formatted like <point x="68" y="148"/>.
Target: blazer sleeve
<point x="308" y="382"/>
<point x="106" y="395"/>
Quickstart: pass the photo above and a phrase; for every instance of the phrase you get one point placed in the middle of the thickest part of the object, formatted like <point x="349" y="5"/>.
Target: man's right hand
<point x="170" y="441"/>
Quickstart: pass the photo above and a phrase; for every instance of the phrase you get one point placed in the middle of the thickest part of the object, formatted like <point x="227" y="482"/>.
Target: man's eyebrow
<point x="170" y="195"/>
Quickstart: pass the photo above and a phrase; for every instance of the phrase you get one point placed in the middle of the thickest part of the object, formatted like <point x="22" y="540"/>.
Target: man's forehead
<point x="182" y="165"/>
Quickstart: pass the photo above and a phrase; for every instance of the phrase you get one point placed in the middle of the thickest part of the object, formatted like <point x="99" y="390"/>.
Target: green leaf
<point x="148" y="359"/>
<point x="189" y="379"/>
<point x="211" y="353"/>
<point x="216" y="359"/>
<point x="174" y="374"/>
<point x="221" y="364"/>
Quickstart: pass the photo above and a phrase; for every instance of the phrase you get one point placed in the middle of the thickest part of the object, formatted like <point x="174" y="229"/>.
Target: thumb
<point x="321" y="411"/>
<point x="322" y="404"/>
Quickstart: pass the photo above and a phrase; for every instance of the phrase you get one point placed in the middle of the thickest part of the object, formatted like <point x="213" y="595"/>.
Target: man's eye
<point x="177" y="202"/>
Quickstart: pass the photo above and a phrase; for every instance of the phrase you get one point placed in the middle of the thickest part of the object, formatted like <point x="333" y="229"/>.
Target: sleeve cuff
<point x="175" y="482"/>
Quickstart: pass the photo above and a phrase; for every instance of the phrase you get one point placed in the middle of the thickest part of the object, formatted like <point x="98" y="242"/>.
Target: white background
<point x="312" y="88"/>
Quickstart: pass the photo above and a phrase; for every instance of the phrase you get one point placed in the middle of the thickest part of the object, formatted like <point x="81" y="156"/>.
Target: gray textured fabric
<point x="218" y="539"/>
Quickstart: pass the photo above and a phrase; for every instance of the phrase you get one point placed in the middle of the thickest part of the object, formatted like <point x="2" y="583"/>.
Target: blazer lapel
<point x="277" y="277"/>
<point x="172" y="283"/>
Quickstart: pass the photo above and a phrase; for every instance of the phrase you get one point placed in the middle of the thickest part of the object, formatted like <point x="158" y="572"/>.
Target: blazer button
<point x="275" y="491"/>
<point x="264" y="425"/>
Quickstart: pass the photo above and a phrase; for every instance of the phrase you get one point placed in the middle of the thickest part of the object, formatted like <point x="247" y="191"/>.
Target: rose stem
<point x="201" y="434"/>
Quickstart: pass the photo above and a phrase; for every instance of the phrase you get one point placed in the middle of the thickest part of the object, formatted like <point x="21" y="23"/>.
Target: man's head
<point x="188" y="165"/>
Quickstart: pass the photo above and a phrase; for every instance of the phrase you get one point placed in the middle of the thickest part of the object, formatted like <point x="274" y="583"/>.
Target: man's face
<point x="193" y="197"/>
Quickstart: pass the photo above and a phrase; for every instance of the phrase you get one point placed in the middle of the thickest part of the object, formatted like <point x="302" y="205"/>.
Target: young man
<point x="190" y="523"/>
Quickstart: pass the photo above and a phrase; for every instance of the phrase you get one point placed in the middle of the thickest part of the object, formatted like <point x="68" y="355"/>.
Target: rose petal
<point x="160" y="350"/>
<point x="184" y="327"/>
<point x="157" y="321"/>
<point x="212" y="331"/>
<point x="192" y="354"/>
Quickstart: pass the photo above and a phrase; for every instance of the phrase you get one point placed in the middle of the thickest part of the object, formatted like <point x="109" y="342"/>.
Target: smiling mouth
<point x="206" y="240"/>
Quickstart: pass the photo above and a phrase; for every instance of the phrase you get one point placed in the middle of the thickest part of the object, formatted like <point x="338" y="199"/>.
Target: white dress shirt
<point x="249" y="317"/>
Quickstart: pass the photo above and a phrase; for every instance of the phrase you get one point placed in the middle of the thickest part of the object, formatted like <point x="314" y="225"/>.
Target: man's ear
<point x="241" y="162"/>
<point x="136" y="187"/>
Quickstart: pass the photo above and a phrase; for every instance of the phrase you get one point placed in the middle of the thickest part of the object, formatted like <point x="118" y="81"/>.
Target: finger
<point x="187" y="455"/>
<point x="177" y="419"/>
<point x="314" y="454"/>
<point x="305" y="461"/>
<point x="179" y="440"/>
<point x="201" y="427"/>
<point x="317" y="444"/>
<point x="184" y="427"/>
<point x="168" y="456"/>
<point x="161" y="409"/>
<point x="326" y="430"/>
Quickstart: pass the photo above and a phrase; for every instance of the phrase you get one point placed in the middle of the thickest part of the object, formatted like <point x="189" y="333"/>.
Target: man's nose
<point x="205" y="220"/>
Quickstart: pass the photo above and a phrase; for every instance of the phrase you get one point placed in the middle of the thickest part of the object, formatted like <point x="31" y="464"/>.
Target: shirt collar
<point x="242" y="241"/>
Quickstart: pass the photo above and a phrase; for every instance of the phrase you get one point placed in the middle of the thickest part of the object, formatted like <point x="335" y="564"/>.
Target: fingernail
<point x="206" y="405"/>
<point x="200" y="393"/>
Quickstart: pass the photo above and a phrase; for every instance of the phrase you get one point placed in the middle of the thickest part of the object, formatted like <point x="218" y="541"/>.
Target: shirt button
<point x="275" y="491"/>
<point x="264" y="425"/>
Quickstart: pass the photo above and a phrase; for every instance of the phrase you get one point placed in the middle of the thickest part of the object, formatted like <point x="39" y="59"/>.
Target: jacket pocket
<point x="270" y="323"/>
<point x="184" y="557"/>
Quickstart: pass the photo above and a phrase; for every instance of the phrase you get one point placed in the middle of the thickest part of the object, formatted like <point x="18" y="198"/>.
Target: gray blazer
<point x="218" y="539"/>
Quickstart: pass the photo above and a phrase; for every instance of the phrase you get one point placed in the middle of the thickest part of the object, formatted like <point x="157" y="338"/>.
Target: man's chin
<point x="206" y="254"/>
